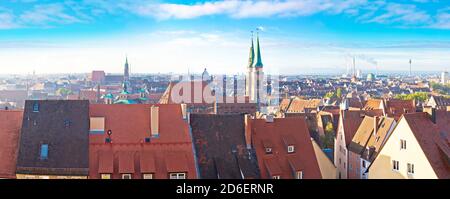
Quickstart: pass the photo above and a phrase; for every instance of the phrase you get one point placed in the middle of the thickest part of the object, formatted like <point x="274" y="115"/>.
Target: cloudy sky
<point x="297" y="36"/>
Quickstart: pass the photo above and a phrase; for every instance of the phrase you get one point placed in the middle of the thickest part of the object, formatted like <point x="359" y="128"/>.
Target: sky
<point x="297" y="36"/>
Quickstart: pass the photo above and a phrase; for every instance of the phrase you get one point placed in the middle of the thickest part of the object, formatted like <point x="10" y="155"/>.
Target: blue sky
<point x="176" y="36"/>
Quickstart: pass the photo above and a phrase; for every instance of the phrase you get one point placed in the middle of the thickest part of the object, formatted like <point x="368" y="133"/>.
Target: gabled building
<point x="54" y="141"/>
<point x="283" y="148"/>
<point x="10" y="125"/>
<point x="140" y="141"/>
<point x="418" y="148"/>
<point x="396" y="108"/>
<point x="221" y="149"/>
<point x="366" y="144"/>
<point x="439" y="102"/>
<point x="349" y="122"/>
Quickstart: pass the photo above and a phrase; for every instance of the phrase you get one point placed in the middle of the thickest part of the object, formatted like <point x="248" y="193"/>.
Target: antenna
<point x="410" y="62"/>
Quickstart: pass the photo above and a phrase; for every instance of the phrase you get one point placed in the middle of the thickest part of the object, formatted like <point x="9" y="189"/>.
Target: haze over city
<point x="176" y="36"/>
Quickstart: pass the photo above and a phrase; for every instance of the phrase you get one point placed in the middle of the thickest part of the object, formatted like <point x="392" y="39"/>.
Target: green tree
<point x="419" y="96"/>
<point x="63" y="91"/>
<point x="328" y="138"/>
<point x="339" y="92"/>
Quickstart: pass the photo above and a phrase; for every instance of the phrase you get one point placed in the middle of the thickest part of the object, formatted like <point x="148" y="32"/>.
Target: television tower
<point x="410" y="62"/>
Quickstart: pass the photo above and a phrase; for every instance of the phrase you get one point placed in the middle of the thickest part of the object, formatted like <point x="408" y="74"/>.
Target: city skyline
<point x="180" y="36"/>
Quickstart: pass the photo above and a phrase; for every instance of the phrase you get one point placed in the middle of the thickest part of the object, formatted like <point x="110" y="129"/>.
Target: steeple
<point x="126" y="73"/>
<point x="251" y="55"/>
<point x="258" y="62"/>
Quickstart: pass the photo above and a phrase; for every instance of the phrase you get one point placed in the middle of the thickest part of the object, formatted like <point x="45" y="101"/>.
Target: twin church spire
<point x="254" y="60"/>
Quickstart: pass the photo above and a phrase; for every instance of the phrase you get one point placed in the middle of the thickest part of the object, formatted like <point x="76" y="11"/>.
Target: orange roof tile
<point x="10" y="125"/>
<point x="294" y="128"/>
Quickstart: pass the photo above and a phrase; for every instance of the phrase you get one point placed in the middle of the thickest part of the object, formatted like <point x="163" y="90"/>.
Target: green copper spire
<point x="258" y="62"/>
<point x="251" y="55"/>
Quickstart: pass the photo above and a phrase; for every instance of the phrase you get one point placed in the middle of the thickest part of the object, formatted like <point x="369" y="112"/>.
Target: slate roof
<point x="221" y="148"/>
<point x="64" y="126"/>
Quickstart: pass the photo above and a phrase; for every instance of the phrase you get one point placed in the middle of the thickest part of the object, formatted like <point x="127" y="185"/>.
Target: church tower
<point x="255" y="74"/>
<point x="126" y="73"/>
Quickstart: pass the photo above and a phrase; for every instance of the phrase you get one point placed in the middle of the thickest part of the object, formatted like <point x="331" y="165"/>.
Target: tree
<point x="328" y="138"/>
<point x="419" y="96"/>
<point x="339" y="92"/>
<point x="64" y="91"/>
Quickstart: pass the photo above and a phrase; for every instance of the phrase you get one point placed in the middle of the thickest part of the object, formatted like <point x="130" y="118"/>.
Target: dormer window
<point x="44" y="152"/>
<point x="105" y="176"/>
<point x="36" y="107"/>
<point x="126" y="176"/>
<point x="299" y="175"/>
<point x="268" y="150"/>
<point x="291" y="149"/>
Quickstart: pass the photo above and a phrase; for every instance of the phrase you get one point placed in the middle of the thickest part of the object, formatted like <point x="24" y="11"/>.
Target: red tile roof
<point x="294" y="128"/>
<point x="10" y="125"/>
<point x="396" y="108"/>
<point x="351" y="120"/>
<point x="126" y="162"/>
<point x="373" y="104"/>
<point x="130" y="125"/>
<point x="105" y="161"/>
<point x="175" y="160"/>
<point x="147" y="162"/>
<point x="430" y="138"/>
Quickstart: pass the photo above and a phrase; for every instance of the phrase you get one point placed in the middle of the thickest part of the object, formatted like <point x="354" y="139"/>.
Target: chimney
<point x="375" y="125"/>
<point x="433" y="115"/>
<point x="269" y="118"/>
<point x="154" y="121"/>
<point x="248" y="130"/>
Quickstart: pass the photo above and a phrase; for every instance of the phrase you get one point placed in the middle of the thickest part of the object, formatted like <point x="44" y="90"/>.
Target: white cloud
<point x="50" y="13"/>
<point x="7" y="21"/>
<point x="401" y="13"/>
<point x="245" y="9"/>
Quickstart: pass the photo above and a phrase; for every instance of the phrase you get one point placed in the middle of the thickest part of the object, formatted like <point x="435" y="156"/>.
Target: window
<point x="291" y="149"/>
<point x="299" y="175"/>
<point x="67" y="123"/>
<point x="36" y="107"/>
<point x="395" y="165"/>
<point x="105" y="176"/>
<point x="276" y="177"/>
<point x="44" y="151"/>
<point x="177" y="175"/>
<point x="30" y="177"/>
<point x="410" y="168"/>
<point x="402" y="144"/>
<point x="364" y="164"/>
<point x="268" y="150"/>
<point x="126" y="176"/>
<point x="147" y="176"/>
